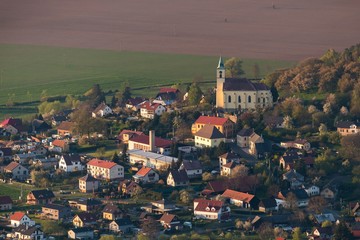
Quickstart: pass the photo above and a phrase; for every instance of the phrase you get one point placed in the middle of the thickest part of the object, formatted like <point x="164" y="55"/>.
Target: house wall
<point x="75" y="167"/>
<point x="348" y="131"/>
<point x="88" y="187"/>
<point x="6" y="206"/>
<point x="242" y="141"/>
<point x="116" y="172"/>
<point x="258" y="99"/>
<point x="206" y="142"/>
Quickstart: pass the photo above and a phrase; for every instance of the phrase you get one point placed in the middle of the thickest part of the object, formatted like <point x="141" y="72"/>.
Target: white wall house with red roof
<point x="101" y="169"/>
<point x="20" y="218"/>
<point x="149" y="110"/>
<point x="211" y="209"/>
<point x="146" y="175"/>
<point x="150" y="143"/>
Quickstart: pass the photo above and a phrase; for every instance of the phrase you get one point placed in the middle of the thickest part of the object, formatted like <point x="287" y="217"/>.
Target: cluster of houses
<point x="149" y="155"/>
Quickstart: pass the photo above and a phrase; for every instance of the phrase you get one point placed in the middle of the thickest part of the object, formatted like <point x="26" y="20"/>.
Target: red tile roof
<point x="17" y="216"/>
<point x="167" y="218"/>
<point x="238" y="195"/>
<point x="101" y="163"/>
<point x="66" y="126"/>
<point x="204" y="203"/>
<point x="168" y="90"/>
<point x="150" y="106"/>
<point x="143" y="171"/>
<point x="59" y="143"/>
<point x="11" y="166"/>
<point x="130" y="132"/>
<point x="159" y="142"/>
<point x="211" y="120"/>
<point x="15" y="122"/>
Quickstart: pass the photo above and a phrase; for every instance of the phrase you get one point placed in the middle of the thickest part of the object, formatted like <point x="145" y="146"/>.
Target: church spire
<point x="221" y="63"/>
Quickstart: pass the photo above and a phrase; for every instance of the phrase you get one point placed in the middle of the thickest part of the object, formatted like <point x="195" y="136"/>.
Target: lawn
<point x="26" y="71"/>
<point x="14" y="189"/>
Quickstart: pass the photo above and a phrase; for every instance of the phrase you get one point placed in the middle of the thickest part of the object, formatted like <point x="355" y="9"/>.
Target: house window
<point x="249" y="99"/>
<point x="258" y="100"/>
<point x="229" y="99"/>
<point x="239" y="99"/>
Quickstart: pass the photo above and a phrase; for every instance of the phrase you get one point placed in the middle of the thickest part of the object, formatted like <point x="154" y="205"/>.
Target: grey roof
<point x="268" y="203"/>
<point x="246" y="132"/>
<point x="151" y="155"/>
<point x="191" y="165"/>
<point x="81" y="230"/>
<point x="229" y="155"/>
<point x="123" y="222"/>
<point x="292" y="175"/>
<point x="179" y="176"/>
<point x="55" y="206"/>
<point x="347" y="124"/>
<point x="89" y="201"/>
<point x="210" y="132"/>
<point x="221" y="63"/>
<point x="70" y="158"/>
<point x="43" y="194"/>
<point x="243" y="84"/>
<point x="88" y="178"/>
<point x="26" y="230"/>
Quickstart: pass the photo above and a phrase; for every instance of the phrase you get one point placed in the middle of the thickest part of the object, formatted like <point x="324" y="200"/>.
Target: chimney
<point x="152" y="140"/>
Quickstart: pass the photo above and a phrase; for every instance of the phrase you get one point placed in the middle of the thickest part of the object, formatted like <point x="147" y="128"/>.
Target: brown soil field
<point x="263" y="29"/>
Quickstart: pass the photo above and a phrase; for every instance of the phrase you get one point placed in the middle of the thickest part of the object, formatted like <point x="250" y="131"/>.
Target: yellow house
<point x="240" y="93"/>
<point x="208" y="136"/>
<point x="224" y="125"/>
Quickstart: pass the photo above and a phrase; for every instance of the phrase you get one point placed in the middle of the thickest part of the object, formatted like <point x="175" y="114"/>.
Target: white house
<point x="301" y="144"/>
<point x="193" y="168"/>
<point x="312" y="190"/>
<point x="146" y="175"/>
<point x="26" y="232"/>
<point x="102" y="110"/>
<point x="211" y="209"/>
<point x="150" y="159"/>
<point x="19" y="218"/>
<point x="70" y="163"/>
<point x="101" y="169"/>
<point x="18" y="172"/>
<point x="149" y="110"/>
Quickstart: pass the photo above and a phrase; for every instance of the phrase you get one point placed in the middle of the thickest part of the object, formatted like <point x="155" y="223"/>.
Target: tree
<point x="206" y="176"/>
<point x="322" y="129"/>
<point x="124" y="94"/>
<point x="355" y="100"/>
<point x="288" y="122"/>
<point x="150" y="228"/>
<point x="350" y="146"/>
<point x="53" y="228"/>
<point x="194" y="94"/>
<point x="342" y="232"/>
<point x="115" y="158"/>
<point x="326" y="224"/>
<point x="256" y="71"/>
<point x="291" y="201"/>
<point x="95" y="95"/>
<point x="185" y="196"/>
<point x="297" y="234"/>
<point x="317" y="204"/>
<point x="266" y="231"/>
<point x="233" y="67"/>
<point x="239" y="171"/>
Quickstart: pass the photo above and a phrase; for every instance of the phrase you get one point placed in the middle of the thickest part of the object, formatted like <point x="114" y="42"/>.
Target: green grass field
<point x="26" y="70"/>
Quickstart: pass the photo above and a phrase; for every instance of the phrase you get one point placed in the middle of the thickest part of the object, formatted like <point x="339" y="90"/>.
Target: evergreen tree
<point x="342" y="232"/>
<point x="194" y="94"/>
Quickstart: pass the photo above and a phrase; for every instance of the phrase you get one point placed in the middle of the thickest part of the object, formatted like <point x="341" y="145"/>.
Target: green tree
<point x="342" y="232"/>
<point x="54" y="228"/>
<point x="95" y="95"/>
<point x="150" y="227"/>
<point x="233" y="67"/>
<point x="185" y="196"/>
<point x="115" y="158"/>
<point x="355" y="100"/>
<point x="194" y="94"/>
<point x="297" y="234"/>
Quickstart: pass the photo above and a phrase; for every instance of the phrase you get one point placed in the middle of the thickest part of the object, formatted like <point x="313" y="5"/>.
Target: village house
<point x="5" y="153"/>
<point x="24" y="157"/>
<point x="227" y="169"/>
<point x="55" y="212"/>
<point x="84" y="233"/>
<point x="150" y="143"/>
<point x="112" y="212"/>
<point x="26" y="232"/>
<point x="70" y="163"/>
<point x="208" y="136"/>
<point x="86" y="204"/>
<point x="39" y="150"/>
<point x="268" y="205"/>
<point x="320" y="218"/>
<point x="84" y="219"/>
<point x="36" y="197"/>
<point x="12" y="126"/>
<point x="329" y="192"/>
<point x="210" y="209"/>
<point x="134" y="103"/>
<point x="170" y="221"/>
<point x="167" y="96"/>
<point x="312" y="190"/>
<point x="129" y="188"/>
<point x="243" y="200"/>
<point x="57" y="119"/>
<point x="17" y="171"/>
<point x="301" y="197"/>
<point x="39" y="126"/>
<point x="288" y="159"/>
<point x="125" y="135"/>
<point x="65" y="128"/>
<point x="149" y="110"/>
<point x="274" y="122"/>
<point x="345" y="128"/>
<point x="193" y="169"/>
<point x="59" y="146"/>
<point x="146" y="175"/>
<point x="224" y="125"/>
<point x="101" y="169"/>
<point x="240" y="93"/>
<point x="160" y="207"/>
<point x="102" y="110"/>
<point x="301" y="144"/>
<point x="227" y="158"/>
<point x="20" y="218"/>
<point x="123" y="225"/>
<point x="177" y="178"/>
<point x="295" y="179"/>
<point x="5" y="203"/>
<point x="321" y="233"/>
<point x="150" y="159"/>
<point x="88" y="184"/>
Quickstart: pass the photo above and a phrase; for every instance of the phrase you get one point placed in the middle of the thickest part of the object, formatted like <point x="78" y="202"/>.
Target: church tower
<point x="220" y="80"/>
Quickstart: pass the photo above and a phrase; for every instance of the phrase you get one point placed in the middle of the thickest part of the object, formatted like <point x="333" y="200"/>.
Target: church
<point x="240" y="93"/>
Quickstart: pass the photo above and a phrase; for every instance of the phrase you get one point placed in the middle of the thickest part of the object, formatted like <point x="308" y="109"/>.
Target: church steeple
<point x="220" y="64"/>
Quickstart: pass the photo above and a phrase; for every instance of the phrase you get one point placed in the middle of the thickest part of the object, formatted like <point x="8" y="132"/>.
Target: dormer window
<point x="213" y="209"/>
<point x="207" y="209"/>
